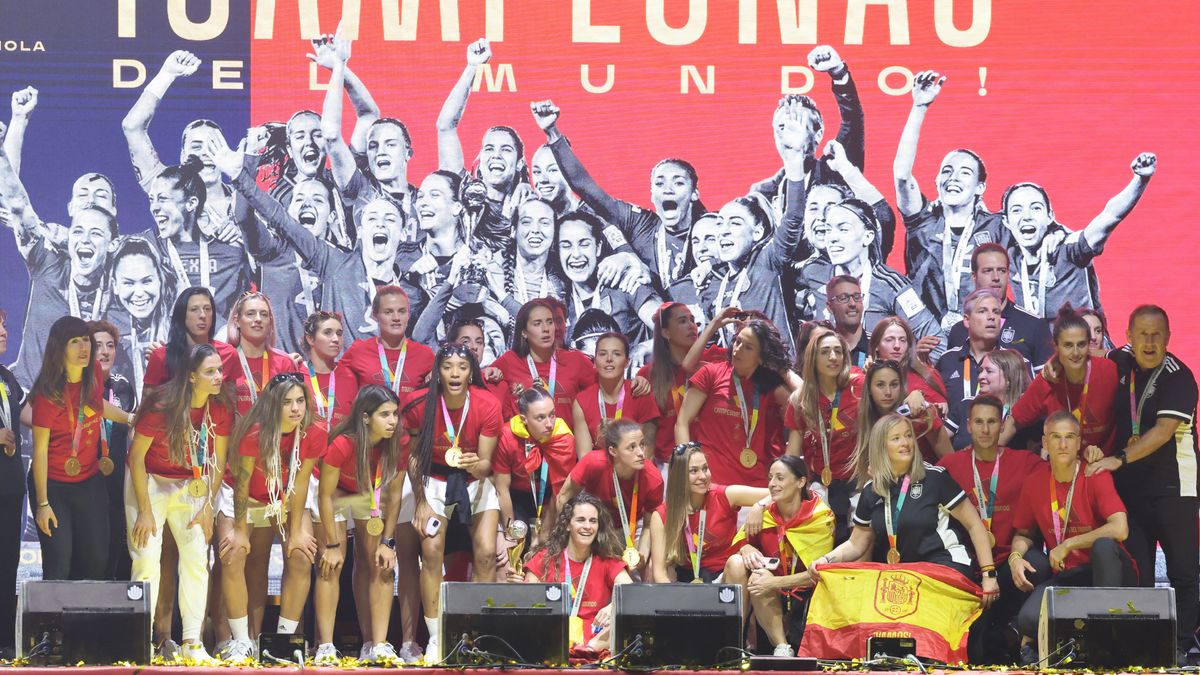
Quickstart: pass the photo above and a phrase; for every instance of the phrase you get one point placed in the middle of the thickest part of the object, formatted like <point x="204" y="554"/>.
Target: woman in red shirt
<point x="892" y="339"/>
<point x="1086" y="386"/>
<point x="886" y="393"/>
<point x="691" y="535"/>
<point x="391" y="359"/>
<point x="611" y="398"/>
<point x="454" y="424"/>
<point x="774" y="564"/>
<point x="279" y="443"/>
<point x="629" y="488"/>
<point x="255" y="360"/>
<point x="323" y="344"/>
<point x="675" y="333"/>
<point x="193" y="322"/>
<point x="735" y="407"/>
<point x="67" y="493"/>
<point x="536" y="357"/>
<point x="583" y="550"/>
<point x="176" y="462"/>
<point x="361" y="481"/>
<point x="535" y="455"/>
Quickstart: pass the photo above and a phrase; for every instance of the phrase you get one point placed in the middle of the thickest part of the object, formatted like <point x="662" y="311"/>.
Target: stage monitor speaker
<point x="690" y="625"/>
<point x="65" y="622"/>
<point x="1107" y="628"/>
<point x="499" y="623"/>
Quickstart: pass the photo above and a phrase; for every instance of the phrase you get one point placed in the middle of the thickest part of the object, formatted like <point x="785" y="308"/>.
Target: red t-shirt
<point x="1015" y="468"/>
<point x="156" y="365"/>
<point x="154" y="426"/>
<point x="664" y="443"/>
<point x="61" y="418"/>
<point x="594" y="474"/>
<point x="1098" y="422"/>
<point x="576" y="372"/>
<point x="1095" y="500"/>
<point x="361" y="362"/>
<point x="341" y="454"/>
<point x="483" y="419"/>
<point x="342" y="398"/>
<point x="597" y="590"/>
<point x="512" y="458"/>
<point x="720" y="527"/>
<point x="277" y="362"/>
<point x="914" y="382"/>
<point x="312" y="446"/>
<point x="719" y="427"/>
<point x="842" y="439"/>
<point x="640" y="409"/>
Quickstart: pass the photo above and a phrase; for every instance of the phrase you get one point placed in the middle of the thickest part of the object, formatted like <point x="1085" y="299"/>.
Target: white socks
<point x="286" y="626"/>
<point x="240" y="628"/>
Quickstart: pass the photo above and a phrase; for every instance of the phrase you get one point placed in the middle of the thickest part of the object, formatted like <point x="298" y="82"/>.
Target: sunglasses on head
<point x="683" y="448"/>
<point x="281" y="378"/>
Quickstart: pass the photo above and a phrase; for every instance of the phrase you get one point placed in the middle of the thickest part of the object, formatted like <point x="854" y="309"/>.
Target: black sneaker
<point x="1029" y="655"/>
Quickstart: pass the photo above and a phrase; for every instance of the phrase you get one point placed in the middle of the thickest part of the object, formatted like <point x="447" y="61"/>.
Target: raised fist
<point x="825" y="59"/>
<point x="479" y="52"/>
<point x="24" y="101"/>
<point x="926" y="86"/>
<point x="545" y="113"/>
<point x="1144" y="164"/>
<point x="181" y="64"/>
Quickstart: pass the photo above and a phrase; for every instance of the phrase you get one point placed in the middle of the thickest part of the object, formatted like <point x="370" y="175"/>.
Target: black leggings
<point x="12" y="510"/>
<point x="1110" y="566"/>
<point x="79" y="547"/>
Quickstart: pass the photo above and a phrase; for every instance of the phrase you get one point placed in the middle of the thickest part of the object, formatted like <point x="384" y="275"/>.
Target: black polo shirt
<point x="925" y="530"/>
<point x="1171" y="469"/>
<point x="960" y="391"/>
<point x="1020" y="330"/>
<point x="861" y="351"/>
<point x="12" y="469"/>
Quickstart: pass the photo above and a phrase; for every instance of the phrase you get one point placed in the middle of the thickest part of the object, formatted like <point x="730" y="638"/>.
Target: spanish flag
<point x="926" y="601"/>
<point x="809" y="532"/>
<point x="558" y="450"/>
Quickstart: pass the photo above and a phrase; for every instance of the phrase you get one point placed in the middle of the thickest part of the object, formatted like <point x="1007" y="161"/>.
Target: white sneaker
<point x="784" y="650"/>
<point x="167" y="650"/>
<point x="240" y="651"/>
<point x="364" y="653"/>
<point x="194" y="652"/>
<point x="383" y="652"/>
<point x="222" y="647"/>
<point x="327" y="655"/>
<point x="433" y="651"/>
<point x="410" y="652"/>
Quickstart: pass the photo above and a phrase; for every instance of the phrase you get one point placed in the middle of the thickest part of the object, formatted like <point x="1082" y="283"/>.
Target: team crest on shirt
<point x="897" y="594"/>
<point x="917" y="490"/>
<point x="1007" y="334"/>
<point x="981" y="238"/>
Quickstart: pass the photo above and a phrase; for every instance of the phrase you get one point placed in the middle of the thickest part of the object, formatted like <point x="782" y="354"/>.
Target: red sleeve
<point x="249" y="445"/>
<point x="789" y="418"/>
<point x="414" y="416"/>
<point x="585" y="371"/>
<point x="703" y="379"/>
<point x="44" y="411"/>
<point x="222" y="420"/>
<point x="612" y="569"/>
<point x="156" y="368"/>
<point x="646" y="409"/>
<point x="585" y="468"/>
<point x="1031" y="406"/>
<point x="1104" y="495"/>
<point x="313" y="445"/>
<point x="151" y="425"/>
<point x="537" y="565"/>
<point x="490" y="422"/>
<point x="652" y="483"/>
<point x="338" y="451"/>
<point x="502" y="457"/>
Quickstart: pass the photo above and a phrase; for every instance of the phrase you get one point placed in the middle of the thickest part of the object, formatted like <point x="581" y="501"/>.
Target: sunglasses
<point x="684" y="448"/>
<point x="281" y="378"/>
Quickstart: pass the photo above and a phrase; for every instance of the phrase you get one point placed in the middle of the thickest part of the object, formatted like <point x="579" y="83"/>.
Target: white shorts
<point x="257" y="513"/>
<point x="348" y="507"/>
<point x="481" y="493"/>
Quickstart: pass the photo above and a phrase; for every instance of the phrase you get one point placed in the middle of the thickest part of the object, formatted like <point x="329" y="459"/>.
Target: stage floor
<point x="187" y="670"/>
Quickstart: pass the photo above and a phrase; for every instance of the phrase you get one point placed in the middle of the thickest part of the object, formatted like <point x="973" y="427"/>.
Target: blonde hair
<point x="879" y="466"/>
<point x="234" y="333"/>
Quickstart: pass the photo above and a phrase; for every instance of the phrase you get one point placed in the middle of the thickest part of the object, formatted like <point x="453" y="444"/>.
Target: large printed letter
<point x="856" y="16"/>
<point x="610" y="76"/>
<point x="947" y="32"/>
<point x="690" y="73"/>
<point x="582" y="28"/>
<point x="212" y="27"/>
<point x="495" y="80"/>
<point x="118" y="67"/>
<point x="797" y="22"/>
<point x="656" y="22"/>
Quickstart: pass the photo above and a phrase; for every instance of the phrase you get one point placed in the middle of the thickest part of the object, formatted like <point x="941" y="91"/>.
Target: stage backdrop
<point x="1065" y="94"/>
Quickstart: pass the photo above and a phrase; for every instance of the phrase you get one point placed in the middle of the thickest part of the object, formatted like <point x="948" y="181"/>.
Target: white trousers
<point x="172" y="507"/>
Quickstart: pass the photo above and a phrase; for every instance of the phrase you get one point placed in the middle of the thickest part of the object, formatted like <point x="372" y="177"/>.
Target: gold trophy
<point x="516" y="532"/>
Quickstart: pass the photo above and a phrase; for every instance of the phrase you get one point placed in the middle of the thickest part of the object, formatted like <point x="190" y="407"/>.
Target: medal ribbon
<point x="392" y="378"/>
<point x="533" y="372"/>
<point x="376" y="489"/>
<point x="891" y="520"/>
<point x="1087" y="380"/>
<point x="604" y="407"/>
<point x="628" y="519"/>
<point x="968" y="390"/>
<point x="1061" y="517"/>
<point x="451" y="433"/>
<point x="251" y="385"/>
<point x="749" y="421"/>
<point x="834" y="423"/>
<point x="1136" y="410"/>
<point x="324" y="402"/>
<point x="77" y="432"/>
<point x="198" y="448"/>
<point x="987" y="503"/>
<point x="5" y="410"/>
<point x="539" y="491"/>
<point x="576" y="592"/>
<point x="695" y="543"/>
<point x="277" y="493"/>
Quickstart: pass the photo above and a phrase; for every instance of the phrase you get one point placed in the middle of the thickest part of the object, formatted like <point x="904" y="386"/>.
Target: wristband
<point x="1122" y="456"/>
<point x="334" y="545"/>
<point x="43" y="504"/>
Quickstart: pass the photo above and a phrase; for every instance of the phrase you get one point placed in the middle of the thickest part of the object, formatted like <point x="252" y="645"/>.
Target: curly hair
<point x="774" y="355"/>
<point x="607" y="544"/>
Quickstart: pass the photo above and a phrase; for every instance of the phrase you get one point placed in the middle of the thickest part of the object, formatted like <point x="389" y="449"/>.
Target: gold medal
<point x="893" y="556"/>
<point x="453" y="457"/>
<point x="1133" y="439"/>
<point x="631" y="557"/>
<point x="375" y="526"/>
<point x="697" y="580"/>
<point x="196" y="488"/>
<point x="72" y="466"/>
<point x="106" y="466"/>
<point x="748" y="458"/>
<point x="826" y="476"/>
